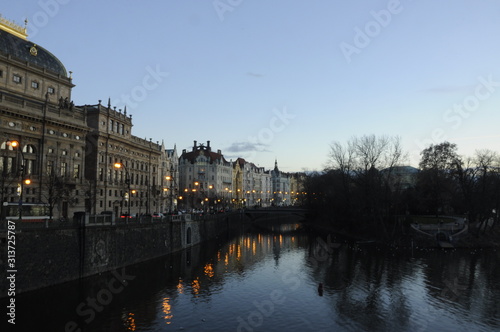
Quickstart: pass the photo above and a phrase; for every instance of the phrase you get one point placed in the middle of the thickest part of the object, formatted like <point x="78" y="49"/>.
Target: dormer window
<point x="17" y="79"/>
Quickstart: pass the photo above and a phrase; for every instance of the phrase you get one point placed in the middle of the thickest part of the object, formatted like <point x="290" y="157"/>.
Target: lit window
<point x="76" y="171"/>
<point x="63" y="169"/>
<point x="16" y="78"/>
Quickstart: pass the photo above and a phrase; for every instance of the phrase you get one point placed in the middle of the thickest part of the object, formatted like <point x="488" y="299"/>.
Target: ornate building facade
<point x="123" y="170"/>
<point x="204" y="176"/>
<point x="37" y="112"/>
<point x="85" y="158"/>
<point x="76" y="158"/>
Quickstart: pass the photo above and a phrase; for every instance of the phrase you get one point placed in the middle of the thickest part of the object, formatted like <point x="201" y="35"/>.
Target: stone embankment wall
<point x="50" y="256"/>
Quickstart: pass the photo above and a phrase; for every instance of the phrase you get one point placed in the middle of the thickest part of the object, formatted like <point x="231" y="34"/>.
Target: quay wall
<point x="50" y="256"/>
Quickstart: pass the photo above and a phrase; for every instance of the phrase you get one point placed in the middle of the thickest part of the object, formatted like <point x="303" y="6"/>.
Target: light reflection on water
<point x="268" y="280"/>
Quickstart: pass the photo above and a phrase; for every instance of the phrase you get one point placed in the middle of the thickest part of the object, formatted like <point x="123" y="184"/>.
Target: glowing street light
<point x="127" y="182"/>
<point x="16" y="145"/>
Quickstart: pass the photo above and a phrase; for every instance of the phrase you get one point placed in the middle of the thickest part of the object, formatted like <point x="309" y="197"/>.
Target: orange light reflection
<point x="180" y="287"/>
<point x="130" y="322"/>
<point x="209" y="270"/>
<point x="167" y="310"/>
<point x="196" y="286"/>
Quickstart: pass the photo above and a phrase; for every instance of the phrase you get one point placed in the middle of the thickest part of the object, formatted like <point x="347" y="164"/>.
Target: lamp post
<point x="209" y="196"/>
<point x="22" y="173"/>
<point x="195" y="189"/>
<point x="170" y="194"/>
<point x="127" y="182"/>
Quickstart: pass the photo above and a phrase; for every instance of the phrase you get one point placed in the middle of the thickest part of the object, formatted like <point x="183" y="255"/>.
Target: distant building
<point x="253" y="184"/>
<point x="170" y="179"/>
<point x="238" y="180"/>
<point x="204" y="176"/>
<point x="281" y="187"/>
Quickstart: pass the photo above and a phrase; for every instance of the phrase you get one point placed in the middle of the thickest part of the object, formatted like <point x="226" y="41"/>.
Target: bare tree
<point x="56" y="189"/>
<point x="364" y="166"/>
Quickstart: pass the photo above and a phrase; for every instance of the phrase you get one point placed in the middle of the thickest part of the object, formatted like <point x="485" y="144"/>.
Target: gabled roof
<point x="212" y="156"/>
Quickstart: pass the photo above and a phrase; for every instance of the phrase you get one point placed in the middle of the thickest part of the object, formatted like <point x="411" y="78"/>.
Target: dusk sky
<point x="283" y="79"/>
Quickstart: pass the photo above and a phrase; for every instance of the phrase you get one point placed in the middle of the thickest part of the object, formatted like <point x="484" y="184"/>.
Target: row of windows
<point x="115" y="126"/>
<point x="140" y="166"/>
<point x="130" y="152"/>
<point x="63" y="169"/>
<point x="14" y="199"/>
<point x="64" y="152"/>
<point x="27" y="190"/>
<point x="18" y="79"/>
<point x="10" y="165"/>
<point x="137" y="203"/>
<point x="120" y="193"/>
<point x="31" y="149"/>
<point x="121" y="177"/>
<point x="26" y="149"/>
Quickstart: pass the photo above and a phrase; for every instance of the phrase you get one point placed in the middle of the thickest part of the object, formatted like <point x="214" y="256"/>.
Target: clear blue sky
<point x="283" y="79"/>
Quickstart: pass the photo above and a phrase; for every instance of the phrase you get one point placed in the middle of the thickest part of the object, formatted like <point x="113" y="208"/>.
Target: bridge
<point x="274" y="213"/>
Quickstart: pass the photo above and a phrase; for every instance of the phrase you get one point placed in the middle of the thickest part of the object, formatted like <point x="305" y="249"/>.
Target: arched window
<point x="29" y="149"/>
<point x="5" y="146"/>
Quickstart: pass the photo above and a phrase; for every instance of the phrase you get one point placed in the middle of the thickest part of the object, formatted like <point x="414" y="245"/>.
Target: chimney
<point x="219" y="151"/>
<point x="194" y="146"/>
<point x="208" y="145"/>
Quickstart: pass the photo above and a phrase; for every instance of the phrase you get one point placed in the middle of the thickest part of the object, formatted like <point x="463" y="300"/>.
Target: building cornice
<point x="14" y="28"/>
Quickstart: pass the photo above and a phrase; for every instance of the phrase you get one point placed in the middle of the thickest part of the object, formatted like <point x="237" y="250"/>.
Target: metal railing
<point x="107" y="220"/>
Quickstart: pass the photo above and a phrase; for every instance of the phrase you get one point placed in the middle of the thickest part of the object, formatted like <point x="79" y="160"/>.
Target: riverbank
<point x="491" y="239"/>
<point x="50" y="256"/>
<point x="405" y="237"/>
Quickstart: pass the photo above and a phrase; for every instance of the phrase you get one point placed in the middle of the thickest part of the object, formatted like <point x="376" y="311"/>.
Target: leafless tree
<point x="364" y="165"/>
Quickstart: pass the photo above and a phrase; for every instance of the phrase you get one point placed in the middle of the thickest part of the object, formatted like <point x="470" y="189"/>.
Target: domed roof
<point x="27" y="51"/>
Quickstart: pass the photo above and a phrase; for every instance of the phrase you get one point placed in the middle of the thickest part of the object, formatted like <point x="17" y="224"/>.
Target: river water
<point x="280" y="279"/>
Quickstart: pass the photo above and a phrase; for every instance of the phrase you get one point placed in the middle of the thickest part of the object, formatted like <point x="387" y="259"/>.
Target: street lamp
<point x="22" y="172"/>
<point x="170" y="180"/>
<point x="195" y="189"/>
<point x="127" y="182"/>
<point x="209" y="196"/>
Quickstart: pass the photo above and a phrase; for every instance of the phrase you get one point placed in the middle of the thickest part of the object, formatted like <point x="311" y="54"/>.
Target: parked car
<point x="158" y="215"/>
